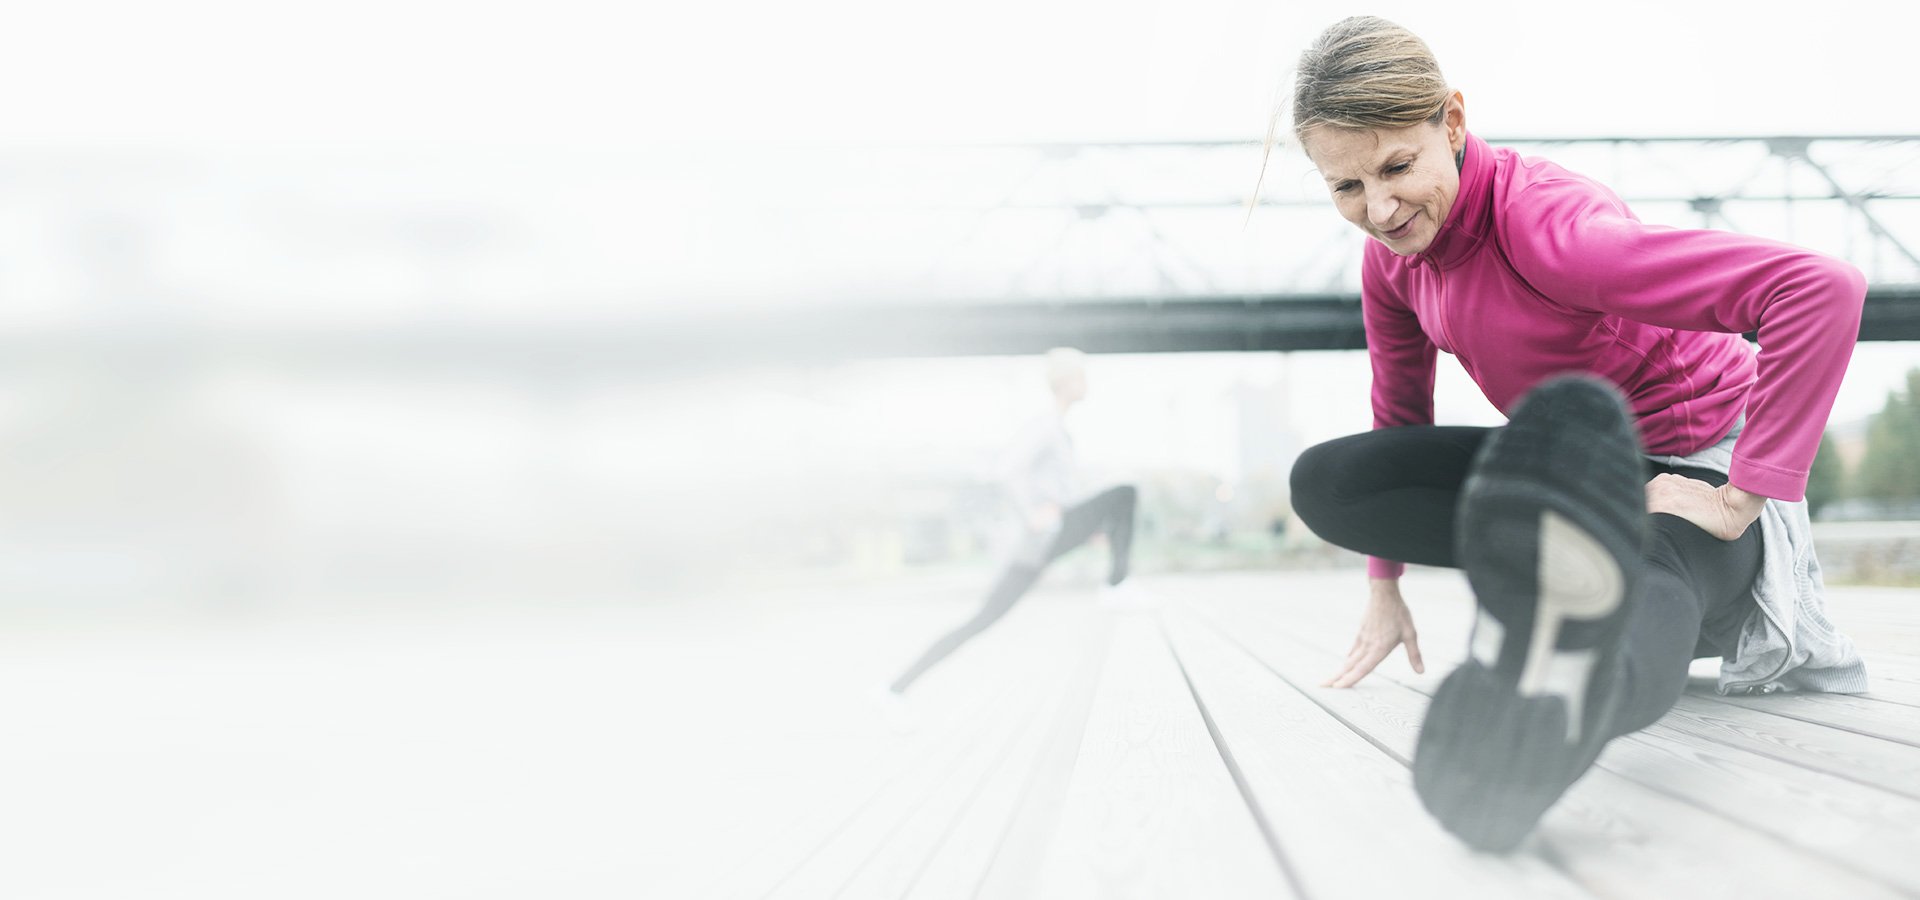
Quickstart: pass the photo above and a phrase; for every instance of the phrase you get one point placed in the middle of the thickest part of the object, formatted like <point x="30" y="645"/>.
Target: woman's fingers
<point x="1360" y="668"/>
<point x="1346" y="665"/>
<point x="1365" y="657"/>
<point x="1354" y="657"/>
<point x="1346" y="669"/>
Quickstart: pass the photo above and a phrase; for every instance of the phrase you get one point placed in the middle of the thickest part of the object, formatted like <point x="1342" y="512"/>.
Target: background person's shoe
<point x="1551" y="522"/>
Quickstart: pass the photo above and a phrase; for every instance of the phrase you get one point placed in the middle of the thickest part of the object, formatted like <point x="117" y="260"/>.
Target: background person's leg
<point x="1111" y="511"/>
<point x="1014" y="582"/>
<point x="1391" y="492"/>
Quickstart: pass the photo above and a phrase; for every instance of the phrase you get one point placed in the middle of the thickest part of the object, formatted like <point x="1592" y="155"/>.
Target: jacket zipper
<point x="1445" y="312"/>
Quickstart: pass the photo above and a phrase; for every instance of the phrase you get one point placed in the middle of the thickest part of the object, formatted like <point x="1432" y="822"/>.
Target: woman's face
<point x="1396" y="184"/>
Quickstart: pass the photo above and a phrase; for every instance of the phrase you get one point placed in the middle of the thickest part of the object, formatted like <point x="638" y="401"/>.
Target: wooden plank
<point x="1893" y="678"/>
<point x="1441" y="604"/>
<point x="1897" y="632"/>
<point x="1870" y="830"/>
<point x="954" y="712"/>
<point x="1869" y="760"/>
<point x="1884" y="624"/>
<point x="1800" y="804"/>
<point x="1017" y="791"/>
<point x="1332" y="799"/>
<point x="1151" y="809"/>
<point x="832" y="854"/>
<point x="1866" y="757"/>
<point x="889" y="868"/>
<point x="1612" y="834"/>
<point x="877" y="851"/>
<point x="1018" y="854"/>
<point x="1860" y="715"/>
<point x="1852" y="773"/>
<point x="1443" y="611"/>
<point x="1784" y="777"/>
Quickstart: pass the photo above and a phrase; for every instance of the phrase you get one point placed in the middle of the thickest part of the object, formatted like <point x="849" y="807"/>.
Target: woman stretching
<point x="1048" y="521"/>
<point x="1644" y="503"/>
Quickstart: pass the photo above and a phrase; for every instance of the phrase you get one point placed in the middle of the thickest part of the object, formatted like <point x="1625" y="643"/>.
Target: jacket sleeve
<point x="1583" y="249"/>
<point x="1403" y="367"/>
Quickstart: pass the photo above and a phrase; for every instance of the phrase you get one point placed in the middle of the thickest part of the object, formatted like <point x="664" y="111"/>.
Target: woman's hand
<point x="1386" y="624"/>
<point x="1724" y="512"/>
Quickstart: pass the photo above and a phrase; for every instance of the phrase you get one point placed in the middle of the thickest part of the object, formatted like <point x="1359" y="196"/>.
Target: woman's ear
<point x="1456" y="122"/>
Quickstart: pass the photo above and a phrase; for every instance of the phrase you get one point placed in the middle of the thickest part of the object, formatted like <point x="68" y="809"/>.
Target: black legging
<point x="1111" y="510"/>
<point x="1392" y="492"/>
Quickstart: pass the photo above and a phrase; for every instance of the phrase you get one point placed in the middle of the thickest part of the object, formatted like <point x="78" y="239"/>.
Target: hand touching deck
<point x="1386" y="624"/>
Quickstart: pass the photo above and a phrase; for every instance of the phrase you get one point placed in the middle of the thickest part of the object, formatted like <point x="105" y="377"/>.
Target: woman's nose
<point x="1381" y="208"/>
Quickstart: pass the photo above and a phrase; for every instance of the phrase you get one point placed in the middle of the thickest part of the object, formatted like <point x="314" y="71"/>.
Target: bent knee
<point x="1311" y="482"/>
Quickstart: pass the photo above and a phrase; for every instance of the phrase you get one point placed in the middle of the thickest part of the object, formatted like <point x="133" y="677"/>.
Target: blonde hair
<point x="1362" y="72"/>
<point x="1367" y="72"/>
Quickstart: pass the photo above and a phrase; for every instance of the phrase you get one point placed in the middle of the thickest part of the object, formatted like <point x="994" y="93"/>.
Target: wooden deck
<point x="1188" y="752"/>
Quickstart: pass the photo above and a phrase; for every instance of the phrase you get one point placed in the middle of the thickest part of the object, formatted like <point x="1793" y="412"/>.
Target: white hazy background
<point x="294" y="487"/>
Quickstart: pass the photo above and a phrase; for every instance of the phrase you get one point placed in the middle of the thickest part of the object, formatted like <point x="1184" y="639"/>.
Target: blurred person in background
<point x="1644" y="510"/>
<point x="1049" y="517"/>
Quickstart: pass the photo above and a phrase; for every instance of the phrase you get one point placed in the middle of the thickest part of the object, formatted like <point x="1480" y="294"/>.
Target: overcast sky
<point x="108" y="72"/>
<point x="212" y="76"/>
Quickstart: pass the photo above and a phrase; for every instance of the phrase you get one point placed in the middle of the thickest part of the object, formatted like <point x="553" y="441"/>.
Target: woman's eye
<point x="1398" y="168"/>
<point x="1343" y="187"/>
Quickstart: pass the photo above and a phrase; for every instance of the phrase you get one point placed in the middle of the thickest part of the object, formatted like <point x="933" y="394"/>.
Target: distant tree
<point x="1825" y="479"/>
<point x="1890" y="469"/>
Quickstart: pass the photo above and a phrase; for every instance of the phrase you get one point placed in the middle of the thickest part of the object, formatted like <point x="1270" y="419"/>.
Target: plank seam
<point x="1755" y="830"/>
<point x="1240" y="782"/>
<point x="1725" y="816"/>
<point x="1770" y="751"/>
<point x="1004" y="757"/>
<point x="1787" y="715"/>
<point x="905" y="768"/>
<point x="958" y="763"/>
<point x="1539" y="846"/>
<point x="1089" y="679"/>
<point x="1262" y="663"/>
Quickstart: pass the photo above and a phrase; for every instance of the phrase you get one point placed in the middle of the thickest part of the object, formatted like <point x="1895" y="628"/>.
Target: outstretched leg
<point x="1550" y="529"/>
<point x="1111" y="511"/>
<point x="1589" y="611"/>
<point x="1012" y="584"/>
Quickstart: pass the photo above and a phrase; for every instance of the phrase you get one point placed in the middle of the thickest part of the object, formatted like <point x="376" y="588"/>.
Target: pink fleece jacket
<point x="1538" y="271"/>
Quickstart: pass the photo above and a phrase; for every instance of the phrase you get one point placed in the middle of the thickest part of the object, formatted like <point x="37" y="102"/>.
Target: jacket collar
<point x="1471" y="218"/>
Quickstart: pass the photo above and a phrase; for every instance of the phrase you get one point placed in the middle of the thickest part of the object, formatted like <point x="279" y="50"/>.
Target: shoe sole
<point x="1493" y="753"/>
<point x="1502" y="738"/>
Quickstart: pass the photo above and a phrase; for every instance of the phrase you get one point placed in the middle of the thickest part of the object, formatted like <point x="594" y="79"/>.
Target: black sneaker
<point x="1549" y="531"/>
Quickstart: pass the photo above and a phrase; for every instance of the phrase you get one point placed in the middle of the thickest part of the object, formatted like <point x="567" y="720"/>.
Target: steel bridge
<point x="495" y="268"/>
<point x="1145" y="247"/>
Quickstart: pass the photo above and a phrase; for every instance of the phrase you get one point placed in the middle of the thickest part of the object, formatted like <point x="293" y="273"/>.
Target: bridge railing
<point x="1088" y="220"/>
